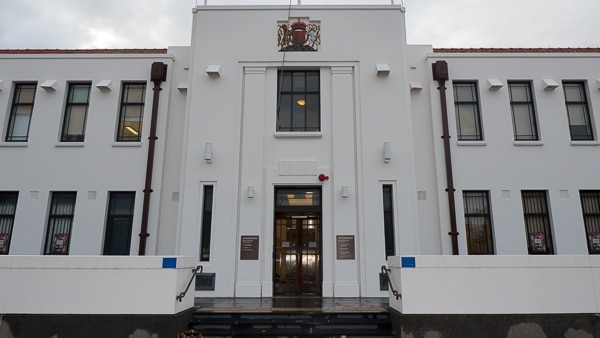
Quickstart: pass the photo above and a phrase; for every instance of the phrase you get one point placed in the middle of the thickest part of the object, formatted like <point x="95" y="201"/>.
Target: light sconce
<point x="213" y="70"/>
<point x="49" y="85"/>
<point x="104" y="85"/>
<point x="208" y="152"/>
<point x="415" y="86"/>
<point x="550" y="84"/>
<point x="387" y="152"/>
<point x="250" y="192"/>
<point x="383" y="69"/>
<point x="345" y="191"/>
<point x="494" y="84"/>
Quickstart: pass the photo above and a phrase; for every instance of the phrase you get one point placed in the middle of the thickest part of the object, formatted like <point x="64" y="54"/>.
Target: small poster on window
<point x="537" y="241"/>
<point x="60" y="244"/>
<point x="594" y="240"/>
<point x="4" y="243"/>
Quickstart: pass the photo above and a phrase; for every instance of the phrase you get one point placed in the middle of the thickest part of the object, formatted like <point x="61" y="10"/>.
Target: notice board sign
<point x="345" y="247"/>
<point x="249" y="248"/>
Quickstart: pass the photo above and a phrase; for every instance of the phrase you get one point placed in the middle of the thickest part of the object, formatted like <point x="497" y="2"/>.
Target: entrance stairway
<point x="291" y="317"/>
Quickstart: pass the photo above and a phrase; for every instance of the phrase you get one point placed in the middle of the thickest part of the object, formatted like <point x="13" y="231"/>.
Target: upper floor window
<point x="478" y="222"/>
<point x="131" y="114"/>
<point x="20" y="113"/>
<point x="537" y="222"/>
<point x="60" y="222"/>
<point x="523" y="112"/>
<point x="468" y="116"/>
<point x="299" y="101"/>
<point x="590" y="206"/>
<point x="8" y="208"/>
<point x="580" y="125"/>
<point x="78" y="100"/>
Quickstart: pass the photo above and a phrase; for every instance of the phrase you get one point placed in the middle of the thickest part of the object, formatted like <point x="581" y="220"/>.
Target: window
<point x="78" y="100"/>
<point x="119" y="221"/>
<point x="388" y="220"/>
<point x="537" y="222"/>
<point x="60" y="221"/>
<point x="299" y="101"/>
<point x="590" y="205"/>
<point x="8" y="207"/>
<point x="478" y="223"/>
<point x="523" y="113"/>
<point x="468" y="117"/>
<point x="20" y="113"/>
<point x="132" y="112"/>
<point x="206" y="223"/>
<point x="580" y="125"/>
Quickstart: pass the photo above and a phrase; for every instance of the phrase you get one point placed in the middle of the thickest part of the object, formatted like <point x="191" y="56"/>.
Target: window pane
<point x="523" y="113"/>
<point x="25" y="93"/>
<point x="580" y="125"/>
<point x="119" y="222"/>
<point x="20" y="114"/>
<point x="466" y="105"/>
<point x="537" y="222"/>
<point x="590" y="205"/>
<point x="8" y="207"/>
<point x="299" y="104"/>
<point x="131" y="112"/>
<point x="206" y="230"/>
<point x="388" y="221"/>
<point x="60" y="221"/>
<point x="478" y="223"/>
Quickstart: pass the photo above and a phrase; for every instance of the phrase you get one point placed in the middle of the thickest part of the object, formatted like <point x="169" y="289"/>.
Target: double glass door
<point x="297" y="244"/>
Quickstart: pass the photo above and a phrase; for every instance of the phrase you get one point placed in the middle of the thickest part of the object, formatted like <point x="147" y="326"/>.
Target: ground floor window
<point x="537" y="222"/>
<point x="388" y="220"/>
<point x="60" y="222"/>
<point x="478" y="223"/>
<point x="590" y="205"/>
<point x="205" y="232"/>
<point x="119" y="222"/>
<point x="8" y="207"/>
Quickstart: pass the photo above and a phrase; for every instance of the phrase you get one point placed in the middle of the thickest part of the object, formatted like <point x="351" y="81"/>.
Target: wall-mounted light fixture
<point x="1" y="81"/>
<point x="550" y="84"/>
<point x="383" y="69"/>
<point x="208" y="152"/>
<point x="494" y="84"/>
<point x="387" y="152"/>
<point x="250" y="192"/>
<point x="345" y="191"/>
<point x="49" y="85"/>
<point x="415" y="86"/>
<point x="104" y="85"/>
<point x="213" y="70"/>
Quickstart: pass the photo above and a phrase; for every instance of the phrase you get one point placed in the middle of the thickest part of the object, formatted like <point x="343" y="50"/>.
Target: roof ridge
<point x="86" y="51"/>
<point x="520" y="50"/>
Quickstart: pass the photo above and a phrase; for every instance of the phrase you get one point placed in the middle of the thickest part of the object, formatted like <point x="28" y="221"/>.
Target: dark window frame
<point x="8" y="210"/>
<point x="575" y="130"/>
<point x="17" y="109"/>
<point x="121" y="207"/>
<point x="125" y="131"/>
<point x="533" y="134"/>
<point x="70" y="107"/>
<point x="305" y="117"/>
<point x="538" y="227"/>
<point x="388" y="220"/>
<point x="477" y="208"/>
<point x="590" y="209"/>
<point x="206" y="225"/>
<point x="474" y="104"/>
<point x="60" y="223"/>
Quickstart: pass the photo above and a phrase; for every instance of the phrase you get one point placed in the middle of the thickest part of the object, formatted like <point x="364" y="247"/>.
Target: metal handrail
<point x="387" y="271"/>
<point x="194" y="271"/>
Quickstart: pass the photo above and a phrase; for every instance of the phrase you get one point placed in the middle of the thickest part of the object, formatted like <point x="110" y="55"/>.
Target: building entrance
<point x="297" y="264"/>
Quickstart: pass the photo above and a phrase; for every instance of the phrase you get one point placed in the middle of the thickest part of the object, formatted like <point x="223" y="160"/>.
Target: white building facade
<point x="297" y="148"/>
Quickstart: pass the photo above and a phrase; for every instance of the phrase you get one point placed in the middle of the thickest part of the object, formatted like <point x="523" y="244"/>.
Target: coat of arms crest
<point x="298" y="34"/>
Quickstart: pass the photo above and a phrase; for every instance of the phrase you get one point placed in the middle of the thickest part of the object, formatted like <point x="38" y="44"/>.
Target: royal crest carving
<point x="298" y="35"/>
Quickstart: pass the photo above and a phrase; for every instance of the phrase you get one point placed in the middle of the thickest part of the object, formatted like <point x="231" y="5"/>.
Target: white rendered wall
<point x="503" y="166"/>
<point x="237" y="114"/>
<point x="91" y="168"/>
<point x="497" y="284"/>
<point x="94" y="285"/>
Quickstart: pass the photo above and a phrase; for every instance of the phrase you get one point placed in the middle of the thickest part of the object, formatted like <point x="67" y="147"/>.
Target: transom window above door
<point x="299" y="101"/>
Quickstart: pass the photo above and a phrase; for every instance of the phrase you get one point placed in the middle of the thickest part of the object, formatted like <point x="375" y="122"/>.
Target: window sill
<point x="528" y="143"/>
<point x="13" y="144"/>
<point x="301" y="134"/>
<point x="127" y="144"/>
<point x="69" y="144"/>
<point x="585" y="143"/>
<point x="471" y="143"/>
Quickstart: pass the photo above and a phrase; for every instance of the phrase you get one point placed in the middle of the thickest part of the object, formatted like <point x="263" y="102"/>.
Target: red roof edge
<point x="83" y="51"/>
<point x="518" y="50"/>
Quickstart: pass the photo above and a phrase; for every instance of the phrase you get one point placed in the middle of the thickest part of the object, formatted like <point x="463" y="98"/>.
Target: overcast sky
<point x="61" y="24"/>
